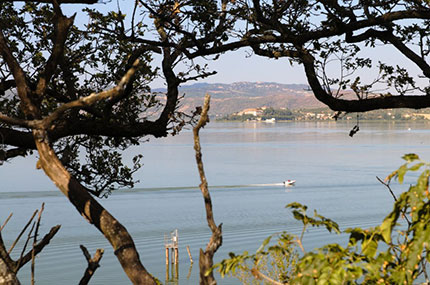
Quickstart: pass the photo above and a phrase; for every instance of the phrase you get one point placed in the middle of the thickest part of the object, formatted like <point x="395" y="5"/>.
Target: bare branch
<point x="21" y="139"/>
<point x="38" y="247"/>
<point x="394" y="197"/>
<point x="6" y="221"/>
<point x="203" y="75"/>
<point x="388" y="186"/>
<point x="22" y="231"/>
<point x="258" y="275"/>
<point x="93" y="264"/>
<point x="18" y="265"/>
<point x="6" y="85"/>
<point x="33" y="252"/>
<point x="16" y="122"/>
<point x="206" y="257"/>
<point x="204" y="119"/>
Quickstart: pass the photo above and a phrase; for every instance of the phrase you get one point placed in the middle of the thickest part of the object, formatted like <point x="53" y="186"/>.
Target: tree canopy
<point x="314" y="34"/>
<point x="47" y="65"/>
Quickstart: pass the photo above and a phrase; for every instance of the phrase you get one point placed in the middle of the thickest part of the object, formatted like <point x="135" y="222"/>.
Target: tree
<point x="79" y="96"/>
<point x="316" y="33"/>
<point x="58" y="95"/>
<point x="344" y="30"/>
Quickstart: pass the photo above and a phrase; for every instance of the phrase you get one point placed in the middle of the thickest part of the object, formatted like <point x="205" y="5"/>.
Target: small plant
<point x="395" y="252"/>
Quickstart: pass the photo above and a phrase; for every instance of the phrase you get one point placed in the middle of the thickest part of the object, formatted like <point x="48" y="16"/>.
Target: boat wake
<point x="212" y="187"/>
<point x="265" y="185"/>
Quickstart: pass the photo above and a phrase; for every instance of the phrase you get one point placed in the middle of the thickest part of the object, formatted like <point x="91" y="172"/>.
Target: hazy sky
<point x="235" y="67"/>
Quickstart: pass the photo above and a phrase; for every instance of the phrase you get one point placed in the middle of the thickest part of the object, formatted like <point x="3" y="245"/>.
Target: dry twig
<point x="260" y="276"/>
<point x="93" y="264"/>
<point x="22" y="232"/>
<point x="33" y="251"/>
<point x="6" y="221"/>
<point x="10" y="267"/>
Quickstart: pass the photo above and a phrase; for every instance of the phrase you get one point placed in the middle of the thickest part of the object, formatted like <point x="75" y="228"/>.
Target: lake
<point x="245" y="164"/>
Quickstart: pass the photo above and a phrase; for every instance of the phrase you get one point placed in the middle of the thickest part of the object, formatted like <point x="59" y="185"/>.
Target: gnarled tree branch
<point x="206" y="256"/>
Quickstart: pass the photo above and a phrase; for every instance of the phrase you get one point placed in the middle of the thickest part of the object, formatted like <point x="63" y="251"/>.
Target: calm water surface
<point x="244" y="162"/>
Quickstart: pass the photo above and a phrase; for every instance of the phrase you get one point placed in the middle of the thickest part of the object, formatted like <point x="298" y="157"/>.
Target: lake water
<point x="244" y="163"/>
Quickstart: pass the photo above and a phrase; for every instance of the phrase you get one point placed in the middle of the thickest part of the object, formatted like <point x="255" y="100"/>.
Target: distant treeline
<point x="324" y="114"/>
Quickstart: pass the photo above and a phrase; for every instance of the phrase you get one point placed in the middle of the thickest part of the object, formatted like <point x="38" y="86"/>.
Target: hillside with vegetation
<point x="284" y="102"/>
<point x="230" y="98"/>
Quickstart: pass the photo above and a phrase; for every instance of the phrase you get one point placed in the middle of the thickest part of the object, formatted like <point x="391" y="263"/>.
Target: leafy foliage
<point x="92" y="62"/>
<point x="282" y="114"/>
<point x="395" y="252"/>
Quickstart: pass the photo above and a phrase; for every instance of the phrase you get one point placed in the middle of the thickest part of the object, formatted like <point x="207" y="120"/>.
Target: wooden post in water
<point x="172" y="244"/>
<point x="189" y="254"/>
<point x="167" y="272"/>
<point x="176" y="255"/>
<point x="176" y="271"/>
<point x="167" y="255"/>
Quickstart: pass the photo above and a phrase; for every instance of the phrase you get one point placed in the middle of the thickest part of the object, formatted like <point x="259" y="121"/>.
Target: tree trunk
<point x="93" y="212"/>
<point x="205" y="264"/>
<point x="206" y="257"/>
<point x="7" y="277"/>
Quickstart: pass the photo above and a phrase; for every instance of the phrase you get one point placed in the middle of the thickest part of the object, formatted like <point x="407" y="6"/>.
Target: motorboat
<point x="289" y="182"/>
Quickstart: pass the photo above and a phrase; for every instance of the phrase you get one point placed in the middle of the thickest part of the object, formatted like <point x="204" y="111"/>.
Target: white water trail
<point x="263" y="185"/>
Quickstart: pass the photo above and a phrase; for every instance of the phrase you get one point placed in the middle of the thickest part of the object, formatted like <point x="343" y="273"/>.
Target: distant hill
<point x="230" y="98"/>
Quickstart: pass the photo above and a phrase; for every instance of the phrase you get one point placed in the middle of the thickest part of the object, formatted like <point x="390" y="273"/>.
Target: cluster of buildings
<point x="257" y="112"/>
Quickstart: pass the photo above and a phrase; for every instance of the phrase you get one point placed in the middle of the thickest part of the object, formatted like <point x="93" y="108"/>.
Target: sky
<point x="235" y="67"/>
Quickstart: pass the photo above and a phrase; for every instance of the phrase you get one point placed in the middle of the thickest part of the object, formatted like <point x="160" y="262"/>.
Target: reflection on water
<point x="245" y="164"/>
<point x="172" y="273"/>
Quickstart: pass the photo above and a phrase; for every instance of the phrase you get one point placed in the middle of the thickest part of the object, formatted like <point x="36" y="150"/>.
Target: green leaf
<point x="296" y="205"/>
<point x="401" y="172"/>
<point x="422" y="182"/>
<point x="410" y="157"/>
<point x="356" y="235"/>
<point x="416" y="166"/>
<point x="298" y="216"/>
<point x="369" y="247"/>
<point x="386" y="228"/>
